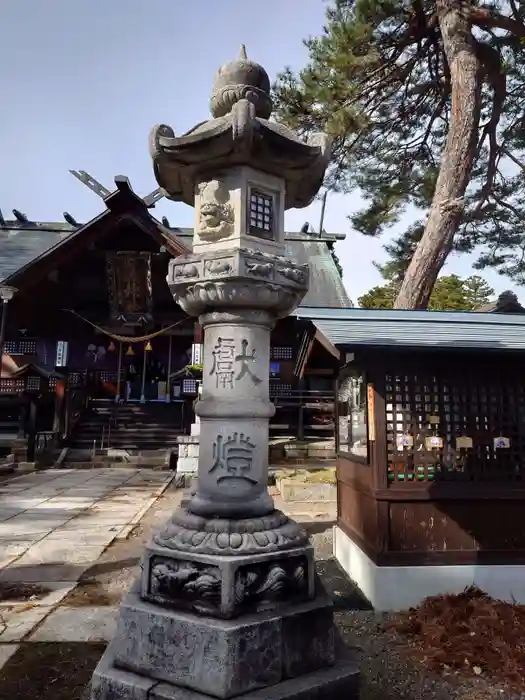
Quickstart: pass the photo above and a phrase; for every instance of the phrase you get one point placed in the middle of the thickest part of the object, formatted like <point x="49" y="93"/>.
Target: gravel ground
<point x="388" y="672"/>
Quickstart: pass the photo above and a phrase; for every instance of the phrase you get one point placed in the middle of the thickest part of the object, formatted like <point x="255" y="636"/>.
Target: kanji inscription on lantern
<point x="245" y="358"/>
<point x="225" y="359"/>
<point x="223" y="362"/>
<point x="233" y="457"/>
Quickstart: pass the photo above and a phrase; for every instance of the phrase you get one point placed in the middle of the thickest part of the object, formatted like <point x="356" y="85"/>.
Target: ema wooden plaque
<point x="501" y="443"/>
<point x="434" y="442"/>
<point x="433" y="420"/>
<point x="404" y="441"/>
<point x="464" y="443"/>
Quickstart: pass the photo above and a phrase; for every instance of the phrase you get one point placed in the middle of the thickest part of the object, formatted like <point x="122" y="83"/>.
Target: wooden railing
<point x="304" y="413"/>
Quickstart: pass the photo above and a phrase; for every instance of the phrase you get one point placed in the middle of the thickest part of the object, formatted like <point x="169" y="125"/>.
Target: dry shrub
<point x="470" y="633"/>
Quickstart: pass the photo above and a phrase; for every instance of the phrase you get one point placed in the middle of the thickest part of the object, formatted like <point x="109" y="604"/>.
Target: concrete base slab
<point x="339" y="682"/>
<point x="81" y="624"/>
<point x="394" y="588"/>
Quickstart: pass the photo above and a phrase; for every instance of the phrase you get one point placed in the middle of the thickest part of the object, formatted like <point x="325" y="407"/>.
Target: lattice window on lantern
<point x="33" y="384"/>
<point x="281" y="352"/>
<point x="52" y="383"/>
<point x="261" y="214"/>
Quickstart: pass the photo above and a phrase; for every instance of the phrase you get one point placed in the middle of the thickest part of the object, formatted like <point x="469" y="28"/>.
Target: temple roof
<point x="506" y="303"/>
<point x="24" y="242"/>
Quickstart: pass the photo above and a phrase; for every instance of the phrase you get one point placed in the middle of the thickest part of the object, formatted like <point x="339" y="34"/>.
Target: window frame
<point x="348" y="453"/>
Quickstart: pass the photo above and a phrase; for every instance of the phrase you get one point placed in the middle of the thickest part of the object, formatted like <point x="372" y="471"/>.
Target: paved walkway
<point x="54" y="525"/>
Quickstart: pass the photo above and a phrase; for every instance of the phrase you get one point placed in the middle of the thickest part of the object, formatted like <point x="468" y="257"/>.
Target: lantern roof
<point x="240" y="133"/>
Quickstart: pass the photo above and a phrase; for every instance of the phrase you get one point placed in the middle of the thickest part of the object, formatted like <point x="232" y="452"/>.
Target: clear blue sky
<point x="83" y="81"/>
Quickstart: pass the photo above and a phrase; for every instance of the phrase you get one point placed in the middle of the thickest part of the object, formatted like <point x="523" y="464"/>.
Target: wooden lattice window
<point x="74" y="379"/>
<point x="189" y="386"/>
<point x="20" y="347"/>
<point x="12" y="386"/>
<point x="281" y="352"/>
<point x="33" y="384"/>
<point x="453" y="425"/>
<point x="278" y="388"/>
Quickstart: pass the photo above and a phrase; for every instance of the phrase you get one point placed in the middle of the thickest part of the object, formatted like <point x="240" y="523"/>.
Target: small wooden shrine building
<point x="93" y="320"/>
<point x="431" y="450"/>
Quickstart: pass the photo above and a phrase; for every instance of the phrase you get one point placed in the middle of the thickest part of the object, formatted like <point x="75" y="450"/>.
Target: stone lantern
<point x="228" y="603"/>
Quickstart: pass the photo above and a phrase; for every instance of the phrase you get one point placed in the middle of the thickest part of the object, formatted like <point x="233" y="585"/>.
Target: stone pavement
<point x="54" y="525"/>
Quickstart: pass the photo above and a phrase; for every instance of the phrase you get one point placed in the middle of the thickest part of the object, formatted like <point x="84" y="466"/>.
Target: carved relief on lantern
<point x="215" y="213"/>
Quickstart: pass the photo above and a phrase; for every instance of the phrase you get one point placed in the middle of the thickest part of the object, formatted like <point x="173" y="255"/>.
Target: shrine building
<point x="93" y="338"/>
<point x="431" y="450"/>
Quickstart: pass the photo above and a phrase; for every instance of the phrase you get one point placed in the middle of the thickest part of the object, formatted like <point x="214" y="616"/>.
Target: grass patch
<point x="309" y="476"/>
<point x="91" y="592"/>
<point x="45" y="670"/>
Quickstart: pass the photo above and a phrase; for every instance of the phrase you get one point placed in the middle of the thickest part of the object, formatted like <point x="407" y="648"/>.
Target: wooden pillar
<point x="198" y="335"/>
<point x="58" y="418"/>
<point x="168" y="379"/>
<point x="300" y="412"/>
<point x="31" y="439"/>
<point x="143" y="387"/>
<point x="119" y="371"/>
<point x="22" y="419"/>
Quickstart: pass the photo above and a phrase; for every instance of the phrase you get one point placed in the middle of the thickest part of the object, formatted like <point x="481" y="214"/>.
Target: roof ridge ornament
<point x="242" y="53"/>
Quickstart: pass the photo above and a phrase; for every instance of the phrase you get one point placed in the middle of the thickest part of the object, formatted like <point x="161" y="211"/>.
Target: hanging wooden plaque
<point x="464" y="443"/>
<point x="433" y="442"/>
<point x="403" y="441"/>
<point x="501" y="443"/>
<point x="433" y="420"/>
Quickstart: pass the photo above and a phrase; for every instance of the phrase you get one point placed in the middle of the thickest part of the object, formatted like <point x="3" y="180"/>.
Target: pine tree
<point x="450" y="293"/>
<point x="424" y="101"/>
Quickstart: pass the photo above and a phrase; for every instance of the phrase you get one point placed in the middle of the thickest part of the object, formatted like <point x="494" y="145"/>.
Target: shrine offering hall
<point x="94" y="342"/>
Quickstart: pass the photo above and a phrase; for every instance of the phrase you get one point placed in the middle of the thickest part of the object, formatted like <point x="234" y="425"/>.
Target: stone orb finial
<point x="238" y="80"/>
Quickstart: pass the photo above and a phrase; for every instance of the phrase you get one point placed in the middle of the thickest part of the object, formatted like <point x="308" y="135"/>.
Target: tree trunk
<point x="456" y="161"/>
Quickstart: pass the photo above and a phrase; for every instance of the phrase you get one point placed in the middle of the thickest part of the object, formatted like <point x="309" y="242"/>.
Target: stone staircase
<point x="138" y="433"/>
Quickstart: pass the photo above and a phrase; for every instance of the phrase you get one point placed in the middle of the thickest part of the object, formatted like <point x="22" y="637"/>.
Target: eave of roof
<point x="25" y="243"/>
<point x="418" y="329"/>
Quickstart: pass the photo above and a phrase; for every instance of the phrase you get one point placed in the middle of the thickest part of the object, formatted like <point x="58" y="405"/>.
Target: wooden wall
<point x="448" y="505"/>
